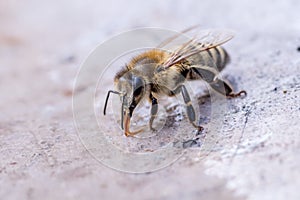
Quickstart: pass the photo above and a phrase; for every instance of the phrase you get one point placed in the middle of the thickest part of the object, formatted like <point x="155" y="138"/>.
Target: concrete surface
<point x="41" y="47"/>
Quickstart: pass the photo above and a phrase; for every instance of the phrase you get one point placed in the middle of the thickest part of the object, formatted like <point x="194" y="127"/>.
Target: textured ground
<point x="41" y="47"/>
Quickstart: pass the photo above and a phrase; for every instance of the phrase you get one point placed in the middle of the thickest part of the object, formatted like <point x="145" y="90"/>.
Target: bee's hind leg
<point x="154" y="109"/>
<point x="210" y="75"/>
<point x="189" y="108"/>
<point x="225" y="89"/>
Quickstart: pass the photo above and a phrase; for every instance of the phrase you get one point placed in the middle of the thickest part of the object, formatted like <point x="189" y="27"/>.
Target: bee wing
<point x="202" y="41"/>
<point x="174" y="37"/>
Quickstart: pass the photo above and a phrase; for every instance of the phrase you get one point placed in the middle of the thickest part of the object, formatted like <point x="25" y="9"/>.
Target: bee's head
<point x="132" y="89"/>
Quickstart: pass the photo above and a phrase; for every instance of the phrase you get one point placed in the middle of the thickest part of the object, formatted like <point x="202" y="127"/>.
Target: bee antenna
<point x="122" y="112"/>
<point x="107" y="97"/>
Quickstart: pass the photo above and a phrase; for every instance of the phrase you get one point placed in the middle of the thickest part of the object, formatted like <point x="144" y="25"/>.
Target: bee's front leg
<point x="127" y="131"/>
<point x="154" y="109"/>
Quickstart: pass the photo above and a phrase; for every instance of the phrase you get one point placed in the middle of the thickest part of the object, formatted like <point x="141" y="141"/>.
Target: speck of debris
<point x="277" y="53"/>
<point x="68" y="59"/>
<point x="298" y="49"/>
<point x="284" y="91"/>
<point x="275" y="89"/>
<point x="67" y="92"/>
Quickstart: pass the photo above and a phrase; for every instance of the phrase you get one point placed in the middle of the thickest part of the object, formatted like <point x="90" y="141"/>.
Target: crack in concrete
<point x="248" y="111"/>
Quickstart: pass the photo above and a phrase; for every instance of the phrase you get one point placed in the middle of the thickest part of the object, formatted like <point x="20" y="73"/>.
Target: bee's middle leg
<point x="189" y="108"/>
<point x="154" y="109"/>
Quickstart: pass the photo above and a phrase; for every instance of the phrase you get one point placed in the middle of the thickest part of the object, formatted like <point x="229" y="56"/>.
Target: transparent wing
<point x="197" y="42"/>
<point x="174" y="37"/>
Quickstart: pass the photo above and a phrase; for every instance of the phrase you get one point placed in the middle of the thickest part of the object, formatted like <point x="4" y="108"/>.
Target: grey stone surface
<point x="42" y="45"/>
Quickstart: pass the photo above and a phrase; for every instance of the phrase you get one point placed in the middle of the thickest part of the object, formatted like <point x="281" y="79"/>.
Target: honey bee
<point x="159" y="72"/>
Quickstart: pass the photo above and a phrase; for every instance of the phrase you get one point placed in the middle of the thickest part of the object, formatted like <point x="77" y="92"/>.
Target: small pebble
<point x="69" y="59"/>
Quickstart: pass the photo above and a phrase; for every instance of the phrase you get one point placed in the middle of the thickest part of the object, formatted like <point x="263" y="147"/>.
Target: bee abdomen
<point x="215" y="57"/>
<point x="219" y="57"/>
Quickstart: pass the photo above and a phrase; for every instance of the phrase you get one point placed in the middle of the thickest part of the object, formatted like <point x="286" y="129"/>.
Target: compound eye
<point x="138" y="91"/>
<point x="138" y="86"/>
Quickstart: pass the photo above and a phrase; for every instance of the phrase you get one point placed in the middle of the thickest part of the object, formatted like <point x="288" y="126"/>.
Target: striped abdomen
<point x="215" y="57"/>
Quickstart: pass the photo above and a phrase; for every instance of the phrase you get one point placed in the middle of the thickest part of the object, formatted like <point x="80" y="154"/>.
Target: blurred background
<point x="43" y="43"/>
